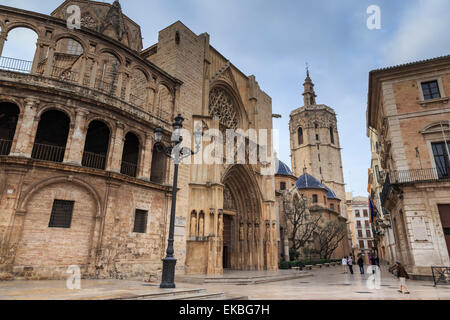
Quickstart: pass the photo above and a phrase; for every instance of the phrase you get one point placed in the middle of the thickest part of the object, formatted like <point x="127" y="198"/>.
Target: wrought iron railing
<point x="419" y="175"/>
<point x="17" y="65"/>
<point x="48" y="152"/>
<point x="94" y="160"/>
<point x="5" y="147"/>
<point x="386" y="189"/>
<point x="129" y="169"/>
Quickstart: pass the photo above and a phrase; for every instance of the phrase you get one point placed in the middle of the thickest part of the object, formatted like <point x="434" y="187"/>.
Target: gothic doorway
<point x="242" y="233"/>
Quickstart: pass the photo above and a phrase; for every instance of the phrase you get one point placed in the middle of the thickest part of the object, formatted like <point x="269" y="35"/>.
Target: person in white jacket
<point x="344" y="264"/>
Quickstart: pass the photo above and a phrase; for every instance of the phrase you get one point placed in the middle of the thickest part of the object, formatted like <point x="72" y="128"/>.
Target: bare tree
<point x="330" y="236"/>
<point x="301" y="223"/>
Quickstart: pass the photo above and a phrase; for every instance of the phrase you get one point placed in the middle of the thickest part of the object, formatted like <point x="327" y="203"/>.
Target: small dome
<point x="283" y="169"/>
<point x="307" y="181"/>
<point x="331" y="195"/>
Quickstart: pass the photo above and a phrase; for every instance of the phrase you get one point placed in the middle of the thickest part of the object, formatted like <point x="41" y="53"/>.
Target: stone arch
<point x="23" y="24"/>
<point x="97" y="144"/>
<point x="74" y="37"/>
<point x="9" y="118"/>
<point x="23" y="202"/>
<point x="435" y="127"/>
<point x="18" y="54"/>
<point x="164" y="104"/>
<point x="244" y="249"/>
<point x="37" y="234"/>
<point x="139" y="87"/>
<point x="69" y="113"/>
<point x="132" y="149"/>
<point x="227" y="105"/>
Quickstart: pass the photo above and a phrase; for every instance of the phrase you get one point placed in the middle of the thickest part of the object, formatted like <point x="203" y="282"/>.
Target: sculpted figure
<point x="193" y="225"/>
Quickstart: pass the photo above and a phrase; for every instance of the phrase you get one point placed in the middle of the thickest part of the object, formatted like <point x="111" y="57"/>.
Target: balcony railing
<point x="94" y="160"/>
<point x="5" y="147"/>
<point x="17" y="65"/>
<point x="386" y="189"/>
<point x="48" y="152"/>
<point x="129" y="169"/>
<point x="419" y="175"/>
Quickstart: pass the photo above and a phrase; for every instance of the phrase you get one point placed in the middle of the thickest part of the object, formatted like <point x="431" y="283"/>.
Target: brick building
<point x="409" y="116"/>
<point x="80" y="181"/>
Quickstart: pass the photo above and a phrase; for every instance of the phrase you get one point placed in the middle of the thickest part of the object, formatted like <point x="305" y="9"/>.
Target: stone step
<point x="201" y="296"/>
<point x="255" y="280"/>
<point x="163" y="294"/>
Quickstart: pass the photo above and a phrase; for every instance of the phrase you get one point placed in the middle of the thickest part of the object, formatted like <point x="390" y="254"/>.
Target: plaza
<point x="317" y="284"/>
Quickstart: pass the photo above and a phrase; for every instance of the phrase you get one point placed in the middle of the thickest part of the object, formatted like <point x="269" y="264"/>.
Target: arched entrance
<point x="242" y="233"/>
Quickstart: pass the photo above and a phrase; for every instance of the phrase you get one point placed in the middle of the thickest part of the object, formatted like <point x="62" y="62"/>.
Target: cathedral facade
<point x="80" y="181"/>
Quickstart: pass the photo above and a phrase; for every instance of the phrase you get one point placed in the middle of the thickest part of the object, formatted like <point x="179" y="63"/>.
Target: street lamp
<point x="177" y="153"/>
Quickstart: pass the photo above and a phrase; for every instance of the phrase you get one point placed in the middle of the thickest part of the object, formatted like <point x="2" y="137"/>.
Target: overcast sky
<point x="274" y="39"/>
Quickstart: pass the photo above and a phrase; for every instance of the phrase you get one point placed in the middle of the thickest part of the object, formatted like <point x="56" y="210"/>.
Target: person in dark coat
<point x="361" y="264"/>
<point x="402" y="276"/>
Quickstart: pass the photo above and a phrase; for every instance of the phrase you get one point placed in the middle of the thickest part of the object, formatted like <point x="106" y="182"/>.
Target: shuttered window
<point x="61" y="214"/>
<point x="140" y="221"/>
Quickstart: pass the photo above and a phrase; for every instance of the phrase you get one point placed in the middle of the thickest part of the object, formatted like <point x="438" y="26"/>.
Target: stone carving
<point x="241" y="232"/>
<point x="220" y="227"/>
<point x="88" y="22"/>
<point x="228" y="200"/>
<point x="114" y="18"/>
<point x="250" y="232"/>
<point x="193" y="224"/>
<point x="221" y="105"/>
<point x="201" y="226"/>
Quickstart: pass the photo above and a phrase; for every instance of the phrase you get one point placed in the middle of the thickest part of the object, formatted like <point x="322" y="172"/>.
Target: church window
<point x="315" y="198"/>
<point x="223" y="106"/>
<point x="316" y="125"/>
<point x="74" y="47"/>
<point x="332" y="207"/>
<point x="140" y="221"/>
<point x="430" y="90"/>
<point x="61" y="214"/>
<point x="300" y="136"/>
<point x="283" y="186"/>
<point x="317" y="137"/>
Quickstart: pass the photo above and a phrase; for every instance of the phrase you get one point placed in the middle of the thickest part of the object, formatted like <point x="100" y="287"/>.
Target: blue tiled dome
<point x="331" y="195"/>
<point x="307" y="181"/>
<point x="283" y="169"/>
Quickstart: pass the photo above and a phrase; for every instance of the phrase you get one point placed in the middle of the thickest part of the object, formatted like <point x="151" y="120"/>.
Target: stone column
<point x="93" y="75"/>
<point x="146" y="158"/>
<point x="3" y="36"/>
<point x="26" y="131"/>
<point x="78" y="139"/>
<point x="82" y="71"/>
<point x="50" y="58"/>
<point x="115" y="161"/>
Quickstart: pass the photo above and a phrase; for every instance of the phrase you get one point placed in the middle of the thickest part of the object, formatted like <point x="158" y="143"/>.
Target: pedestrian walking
<point x="350" y="264"/>
<point x="377" y="261"/>
<point x="361" y="264"/>
<point x="344" y="265"/>
<point x="402" y="276"/>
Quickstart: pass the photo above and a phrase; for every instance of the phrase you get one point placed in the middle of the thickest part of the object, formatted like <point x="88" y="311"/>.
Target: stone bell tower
<point x="315" y="144"/>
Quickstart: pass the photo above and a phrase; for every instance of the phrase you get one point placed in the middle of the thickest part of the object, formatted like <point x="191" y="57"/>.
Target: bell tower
<point x="315" y="144"/>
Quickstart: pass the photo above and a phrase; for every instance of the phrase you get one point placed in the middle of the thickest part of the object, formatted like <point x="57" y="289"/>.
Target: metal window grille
<point x="140" y="221"/>
<point x="61" y="214"/>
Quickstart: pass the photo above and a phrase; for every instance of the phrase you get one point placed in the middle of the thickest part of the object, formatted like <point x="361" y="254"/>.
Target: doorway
<point x="444" y="212"/>
<point x="227" y="230"/>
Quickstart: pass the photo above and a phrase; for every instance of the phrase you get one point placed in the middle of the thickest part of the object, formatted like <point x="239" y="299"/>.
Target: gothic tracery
<point x="222" y="105"/>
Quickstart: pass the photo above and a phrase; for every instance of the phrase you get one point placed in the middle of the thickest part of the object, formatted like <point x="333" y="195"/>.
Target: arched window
<point x="138" y="94"/>
<point x="159" y="162"/>
<point x="164" y="103"/>
<point x="51" y="136"/>
<point x="332" y="135"/>
<point x="9" y="114"/>
<point x="19" y="51"/>
<point x="67" y="60"/>
<point x="108" y="74"/>
<point x="300" y="136"/>
<point x="130" y="156"/>
<point x="96" y="147"/>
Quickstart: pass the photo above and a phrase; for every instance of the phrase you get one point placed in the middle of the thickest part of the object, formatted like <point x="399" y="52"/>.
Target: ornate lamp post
<point x="177" y="154"/>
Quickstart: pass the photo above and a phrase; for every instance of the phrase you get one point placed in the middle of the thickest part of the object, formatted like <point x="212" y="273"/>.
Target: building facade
<point x="80" y="181"/>
<point x="409" y="113"/>
<point x="364" y="238"/>
<point x="315" y="143"/>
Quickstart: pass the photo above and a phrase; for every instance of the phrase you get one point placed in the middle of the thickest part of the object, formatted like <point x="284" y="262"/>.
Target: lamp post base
<point x="168" y="273"/>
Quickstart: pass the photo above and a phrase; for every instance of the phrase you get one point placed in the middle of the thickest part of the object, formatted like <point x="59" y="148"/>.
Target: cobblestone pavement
<point x="325" y="284"/>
